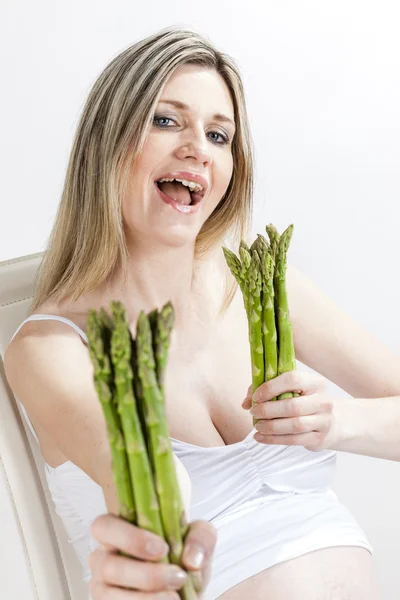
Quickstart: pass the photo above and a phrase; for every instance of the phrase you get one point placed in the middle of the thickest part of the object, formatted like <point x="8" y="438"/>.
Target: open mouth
<point x="187" y="195"/>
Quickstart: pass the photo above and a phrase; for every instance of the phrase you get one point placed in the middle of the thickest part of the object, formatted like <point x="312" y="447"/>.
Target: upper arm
<point x="328" y="341"/>
<point x="52" y="375"/>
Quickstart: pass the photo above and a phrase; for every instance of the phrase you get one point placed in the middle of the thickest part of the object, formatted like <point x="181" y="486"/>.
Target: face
<point x="196" y="140"/>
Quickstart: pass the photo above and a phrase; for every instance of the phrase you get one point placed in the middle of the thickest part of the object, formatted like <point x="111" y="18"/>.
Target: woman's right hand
<point x="116" y="577"/>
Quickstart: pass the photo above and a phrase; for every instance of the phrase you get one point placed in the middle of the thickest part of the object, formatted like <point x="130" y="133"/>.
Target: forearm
<point x="368" y="426"/>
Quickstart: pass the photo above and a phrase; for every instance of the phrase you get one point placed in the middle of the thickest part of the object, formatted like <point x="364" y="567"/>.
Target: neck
<point x="157" y="275"/>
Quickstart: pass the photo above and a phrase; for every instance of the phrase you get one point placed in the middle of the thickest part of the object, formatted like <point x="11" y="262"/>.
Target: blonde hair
<point x="87" y="241"/>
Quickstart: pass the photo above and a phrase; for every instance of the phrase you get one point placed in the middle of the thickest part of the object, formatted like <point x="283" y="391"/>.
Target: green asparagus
<point x="268" y="310"/>
<point x="105" y="389"/>
<point x="255" y="312"/>
<point x="147" y="509"/>
<point x="260" y="272"/>
<point x="129" y="379"/>
<point x="287" y="359"/>
<point x="164" y="468"/>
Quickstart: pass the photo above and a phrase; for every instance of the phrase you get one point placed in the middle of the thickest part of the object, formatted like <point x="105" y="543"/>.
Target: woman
<point x="263" y="515"/>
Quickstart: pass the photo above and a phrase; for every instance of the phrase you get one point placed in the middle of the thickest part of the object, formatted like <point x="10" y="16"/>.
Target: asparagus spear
<point x="163" y="324"/>
<point x="138" y="392"/>
<point x="114" y="337"/>
<point x="255" y="310"/>
<point x="107" y="324"/>
<point x="245" y="257"/>
<point x="264" y="265"/>
<point x="234" y="264"/>
<point x="262" y="245"/>
<point x="287" y="360"/>
<point x="243" y="245"/>
<point x="164" y="468"/>
<point x="147" y="508"/>
<point x="160" y="443"/>
<point x="237" y="270"/>
<point x="247" y="273"/>
<point x="268" y="310"/>
<point x="153" y="322"/>
<point x="274" y="236"/>
<point x="104" y="388"/>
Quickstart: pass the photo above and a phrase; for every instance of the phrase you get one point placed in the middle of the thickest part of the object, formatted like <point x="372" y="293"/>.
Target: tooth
<point x="192" y="185"/>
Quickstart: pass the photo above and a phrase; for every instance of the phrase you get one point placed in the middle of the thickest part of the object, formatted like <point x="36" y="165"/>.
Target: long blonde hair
<point x="87" y="241"/>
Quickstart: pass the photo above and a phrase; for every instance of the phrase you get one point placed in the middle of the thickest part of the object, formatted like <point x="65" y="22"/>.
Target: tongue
<point x="176" y="191"/>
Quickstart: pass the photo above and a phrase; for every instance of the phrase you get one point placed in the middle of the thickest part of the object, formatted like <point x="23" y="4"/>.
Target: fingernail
<point x="195" y="556"/>
<point x="176" y="578"/>
<point x="156" y="548"/>
<point x="252" y="411"/>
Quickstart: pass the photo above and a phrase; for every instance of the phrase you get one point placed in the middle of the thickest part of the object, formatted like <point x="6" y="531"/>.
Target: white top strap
<point x="39" y="317"/>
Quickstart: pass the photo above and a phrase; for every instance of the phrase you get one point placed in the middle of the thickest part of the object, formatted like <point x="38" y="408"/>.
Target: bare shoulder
<point x="50" y="372"/>
<point x="44" y="349"/>
<point x="42" y="332"/>
<point x="50" y="333"/>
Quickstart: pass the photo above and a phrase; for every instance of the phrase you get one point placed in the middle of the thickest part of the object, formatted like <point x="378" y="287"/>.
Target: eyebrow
<point x="183" y="106"/>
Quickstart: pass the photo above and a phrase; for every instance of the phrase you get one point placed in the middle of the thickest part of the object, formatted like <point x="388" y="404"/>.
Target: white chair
<point x="33" y="541"/>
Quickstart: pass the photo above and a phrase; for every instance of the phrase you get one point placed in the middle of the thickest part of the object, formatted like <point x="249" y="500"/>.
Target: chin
<point x="165" y="232"/>
<point x="176" y="238"/>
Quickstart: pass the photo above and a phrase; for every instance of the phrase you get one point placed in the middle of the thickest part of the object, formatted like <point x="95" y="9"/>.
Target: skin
<point x="165" y="270"/>
<point x="198" y="360"/>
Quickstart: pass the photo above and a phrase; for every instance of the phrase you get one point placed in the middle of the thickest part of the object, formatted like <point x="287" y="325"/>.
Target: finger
<point x="301" y="382"/>
<point x="282" y="440"/>
<point x="291" y="425"/>
<point x="199" y="545"/>
<point x="115" y="533"/>
<point x="106" y="592"/>
<point x="247" y="402"/>
<point x="292" y="407"/>
<point x="311" y="441"/>
<point x="146" y="576"/>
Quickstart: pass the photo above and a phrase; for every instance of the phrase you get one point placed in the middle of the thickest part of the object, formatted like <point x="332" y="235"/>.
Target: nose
<point x="196" y="146"/>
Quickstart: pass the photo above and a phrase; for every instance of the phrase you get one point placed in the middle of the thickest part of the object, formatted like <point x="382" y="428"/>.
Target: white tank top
<point x="228" y="483"/>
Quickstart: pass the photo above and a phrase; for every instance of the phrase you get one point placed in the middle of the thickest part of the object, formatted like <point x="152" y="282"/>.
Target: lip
<point x="182" y="208"/>
<point x="189" y="176"/>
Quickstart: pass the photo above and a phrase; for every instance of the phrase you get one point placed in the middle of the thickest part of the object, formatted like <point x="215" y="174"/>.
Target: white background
<point x="323" y="90"/>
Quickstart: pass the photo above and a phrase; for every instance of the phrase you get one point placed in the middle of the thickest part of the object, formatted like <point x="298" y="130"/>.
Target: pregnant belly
<point x="344" y="570"/>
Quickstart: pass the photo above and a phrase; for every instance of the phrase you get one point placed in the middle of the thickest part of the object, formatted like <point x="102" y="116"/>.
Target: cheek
<point x="155" y="150"/>
<point x="132" y="201"/>
<point x="147" y="160"/>
<point x="144" y="165"/>
<point x="223" y="178"/>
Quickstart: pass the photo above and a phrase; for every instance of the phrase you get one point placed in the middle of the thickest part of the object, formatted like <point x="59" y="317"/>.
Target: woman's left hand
<point x="307" y="420"/>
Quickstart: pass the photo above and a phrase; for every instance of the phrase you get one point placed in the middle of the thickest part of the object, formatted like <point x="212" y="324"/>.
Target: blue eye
<point x="160" y="118"/>
<point x="225" y="139"/>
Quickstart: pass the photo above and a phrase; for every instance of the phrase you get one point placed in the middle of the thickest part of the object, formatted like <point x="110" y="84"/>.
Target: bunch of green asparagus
<point x="261" y="274"/>
<point x="129" y="380"/>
